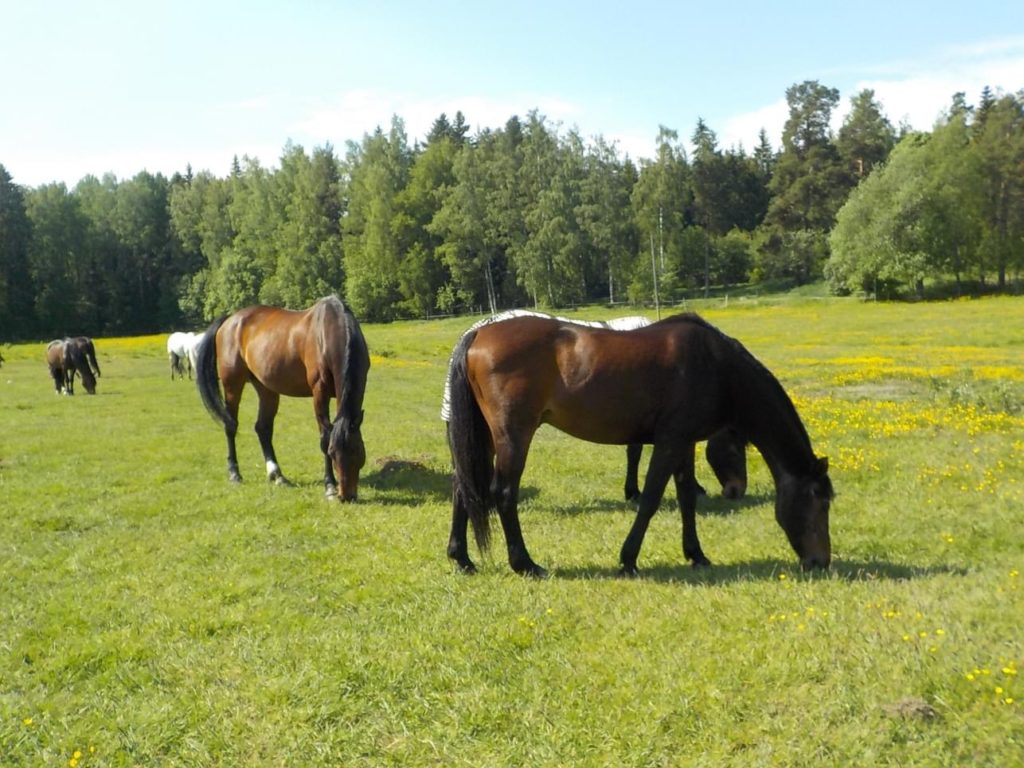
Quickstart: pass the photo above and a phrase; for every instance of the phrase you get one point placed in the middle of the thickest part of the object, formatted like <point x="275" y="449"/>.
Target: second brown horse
<point x="318" y="352"/>
<point x="671" y="384"/>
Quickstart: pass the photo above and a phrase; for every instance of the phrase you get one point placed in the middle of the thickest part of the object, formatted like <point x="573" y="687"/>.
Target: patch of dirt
<point x="392" y="464"/>
<point x="911" y="708"/>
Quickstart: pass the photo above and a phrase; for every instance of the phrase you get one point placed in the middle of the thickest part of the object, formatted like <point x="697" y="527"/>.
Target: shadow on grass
<point x="408" y="482"/>
<point x="765" y="570"/>
<point x="711" y="506"/>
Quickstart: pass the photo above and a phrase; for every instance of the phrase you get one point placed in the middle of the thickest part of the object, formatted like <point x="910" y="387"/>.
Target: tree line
<point x="526" y="214"/>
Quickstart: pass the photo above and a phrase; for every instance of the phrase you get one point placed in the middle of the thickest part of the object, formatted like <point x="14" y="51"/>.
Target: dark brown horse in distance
<point x="66" y="357"/>
<point x="318" y="352"/>
<point x="670" y="385"/>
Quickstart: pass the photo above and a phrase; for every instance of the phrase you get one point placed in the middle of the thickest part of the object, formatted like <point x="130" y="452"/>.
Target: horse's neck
<point x="769" y="419"/>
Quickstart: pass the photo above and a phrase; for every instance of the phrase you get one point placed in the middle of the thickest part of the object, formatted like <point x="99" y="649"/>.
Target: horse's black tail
<point x="207" y="380"/>
<point x="469" y="441"/>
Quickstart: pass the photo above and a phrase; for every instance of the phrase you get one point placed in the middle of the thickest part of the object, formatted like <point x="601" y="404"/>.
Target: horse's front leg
<point x="632" y="486"/>
<point x="321" y="411"/>
<point x="269" y="402"/>
<point x="510" y="459"/>
<point x="686" y="493"/>
<point x="663" y="461"/>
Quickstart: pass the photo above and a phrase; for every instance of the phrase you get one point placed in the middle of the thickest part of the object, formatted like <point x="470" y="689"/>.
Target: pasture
<point x="152" y="613"/>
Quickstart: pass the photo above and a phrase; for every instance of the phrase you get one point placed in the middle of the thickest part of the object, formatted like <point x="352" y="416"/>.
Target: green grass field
<point x="153" y="614"/>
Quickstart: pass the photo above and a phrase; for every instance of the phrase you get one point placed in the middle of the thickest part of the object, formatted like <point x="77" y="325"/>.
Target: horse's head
<point x="801" y="508"/>
<point x="88" y="380"/>
<point x="348" y="454"/>
<point x="727" y="454"/>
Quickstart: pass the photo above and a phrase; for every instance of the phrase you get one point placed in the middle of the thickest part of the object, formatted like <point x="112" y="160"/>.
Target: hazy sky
<point x="121" y="86"/>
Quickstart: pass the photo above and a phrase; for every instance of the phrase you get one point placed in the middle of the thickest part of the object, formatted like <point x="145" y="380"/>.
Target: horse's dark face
<point x="88" y="380"/>
<point x="727" y="454"/>
<point x="801" y="508"/>
<point x="348" y="454"/>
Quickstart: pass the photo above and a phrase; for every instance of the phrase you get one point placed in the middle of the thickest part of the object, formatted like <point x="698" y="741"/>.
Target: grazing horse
<point x="671" y="384"/>
<point x="65" y="357"/>
<point x="318" y="352"/>
<point x="181" y="352"/>
<point x="726" y="449"/>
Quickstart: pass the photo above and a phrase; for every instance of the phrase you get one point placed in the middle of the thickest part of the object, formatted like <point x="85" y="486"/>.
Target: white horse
<point x="181" y="351"/>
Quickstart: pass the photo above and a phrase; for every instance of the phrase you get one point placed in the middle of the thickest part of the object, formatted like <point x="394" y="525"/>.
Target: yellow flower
<point x="1008" y="700"/>
<point x="77" y="755"/>
<point x="27" y="721"/>
<point x="999" y="690"/>
<point x="782" y="577"/>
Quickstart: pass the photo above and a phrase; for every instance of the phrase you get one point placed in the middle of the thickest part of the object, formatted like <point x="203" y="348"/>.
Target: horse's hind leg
<point x="686" y="492"/>
<point x="508" y="471"/>
<point x="458" y="549"/>
<point x="232" y="399"/>
<point x="269" y="402"/>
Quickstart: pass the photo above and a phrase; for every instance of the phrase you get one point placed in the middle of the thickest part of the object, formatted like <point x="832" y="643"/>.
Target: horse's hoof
<point x="701" y="562"/>
<point x="234" y="477"/>
<point x="467" y="568"/>
<point x="533" y="571"/>
<point x="282" y="481"/>
<point x="330" y="492"/>
<point x="628" y="572"/>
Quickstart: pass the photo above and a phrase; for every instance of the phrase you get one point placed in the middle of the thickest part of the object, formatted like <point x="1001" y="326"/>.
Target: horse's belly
<point x="599" y="426"/>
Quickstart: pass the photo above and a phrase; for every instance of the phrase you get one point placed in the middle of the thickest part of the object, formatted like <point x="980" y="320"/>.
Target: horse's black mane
<point x="354" y="341"/>
<point x="744" y="354"/>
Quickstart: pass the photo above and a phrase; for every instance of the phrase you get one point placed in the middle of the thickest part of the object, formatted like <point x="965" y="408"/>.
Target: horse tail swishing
<point x="469" y="439"/>
<point x="207" y="380"/>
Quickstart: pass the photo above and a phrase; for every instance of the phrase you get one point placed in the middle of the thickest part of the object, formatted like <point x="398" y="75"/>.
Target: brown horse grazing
<point x="318" y="352"/>
<point x="726" y="449"/>
<point x="80" y="353"/>
<point x="671" y="384"/>
<point x="65" y="357"/>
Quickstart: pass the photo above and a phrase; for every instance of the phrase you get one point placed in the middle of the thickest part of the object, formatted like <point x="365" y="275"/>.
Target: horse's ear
<point x="821" y="466"/>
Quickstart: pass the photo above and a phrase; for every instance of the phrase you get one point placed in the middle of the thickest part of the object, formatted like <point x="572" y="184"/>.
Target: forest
<point x="528" y="214"/>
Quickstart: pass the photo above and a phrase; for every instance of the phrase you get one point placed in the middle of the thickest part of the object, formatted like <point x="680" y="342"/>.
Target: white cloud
<point x="916" y="93"/>
<point x="744" y="129"/>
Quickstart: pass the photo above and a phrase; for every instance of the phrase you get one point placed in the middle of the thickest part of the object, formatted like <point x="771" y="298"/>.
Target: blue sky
<point x="121" y="86"/>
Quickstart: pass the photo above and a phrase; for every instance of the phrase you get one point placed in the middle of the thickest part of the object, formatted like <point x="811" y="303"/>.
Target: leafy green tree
<point x="809" y="184"/>
<point x="604" y="215"/>
<point x="878" y="243"/>
<point x="202" y="226"/>
<point x="378" y="171"/>
<point x="308" y="241"/>
<point x="58" y="230"/>
<point x="422" y="272"/>
<point x="999" y="149"/>
<point x="549" y="264"/>
<point x="16" y="288"/>
<point x="662" y="199"/>
<point x="866" y="137"/>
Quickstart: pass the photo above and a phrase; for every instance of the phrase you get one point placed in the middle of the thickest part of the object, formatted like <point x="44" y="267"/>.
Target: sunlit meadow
<point x="151" y="613"/>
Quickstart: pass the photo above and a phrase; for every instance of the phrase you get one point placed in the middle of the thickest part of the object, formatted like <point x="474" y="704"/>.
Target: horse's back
<point x="597" y="384"/>
<point x="287" y="350"/>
